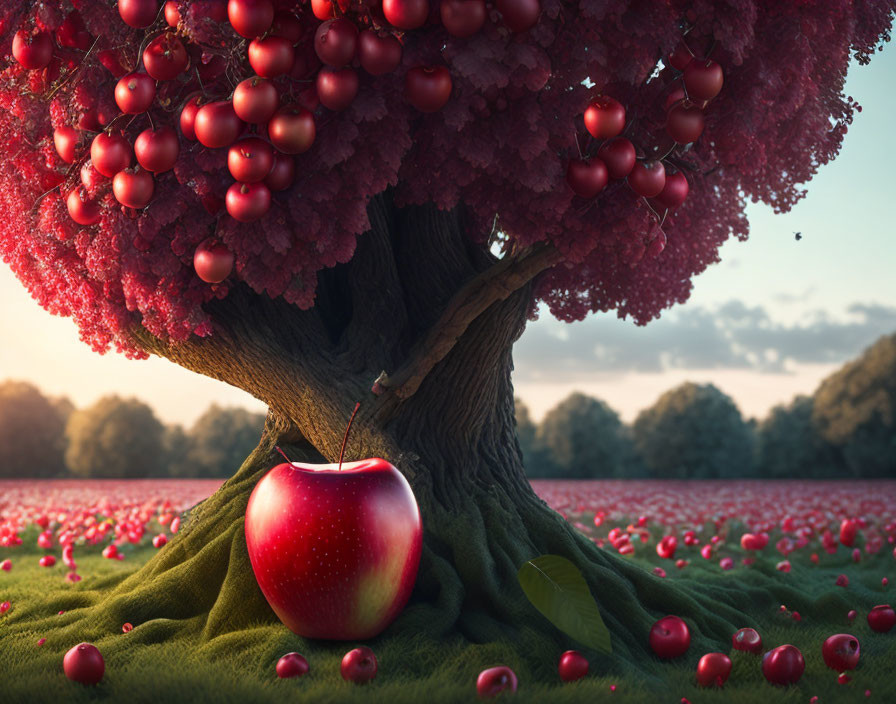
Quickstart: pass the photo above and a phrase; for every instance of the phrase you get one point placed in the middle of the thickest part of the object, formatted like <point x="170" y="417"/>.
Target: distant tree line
<point x="846" y="429"/>
<point x="117" y="438"/>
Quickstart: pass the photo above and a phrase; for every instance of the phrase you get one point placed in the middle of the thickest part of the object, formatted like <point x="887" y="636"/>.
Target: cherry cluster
<point x="616" y="158"/>
<point x="258" y="124"/>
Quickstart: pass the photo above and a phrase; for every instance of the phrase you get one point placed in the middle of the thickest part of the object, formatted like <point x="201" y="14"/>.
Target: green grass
<point x="166" y="661"/>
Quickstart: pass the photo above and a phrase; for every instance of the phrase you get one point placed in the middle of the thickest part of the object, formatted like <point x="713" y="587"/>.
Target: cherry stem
<point x="578" y="146"/>
<point x="277" y="448"/>
<point x="347" y="430"/>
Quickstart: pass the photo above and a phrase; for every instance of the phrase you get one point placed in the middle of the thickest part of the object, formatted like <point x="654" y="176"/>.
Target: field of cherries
<point x="668" y="523"/>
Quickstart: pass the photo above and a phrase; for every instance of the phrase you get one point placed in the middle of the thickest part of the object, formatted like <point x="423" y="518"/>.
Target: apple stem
<point x="347" y="430"/>
<point x="277" y="448"/>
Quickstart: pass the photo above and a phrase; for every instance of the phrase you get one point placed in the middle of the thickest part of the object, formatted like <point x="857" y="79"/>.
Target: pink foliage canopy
<point x="500" y="147"/>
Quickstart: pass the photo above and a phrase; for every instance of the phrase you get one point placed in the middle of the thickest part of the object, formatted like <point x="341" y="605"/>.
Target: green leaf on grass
<point x="557" y="589"/>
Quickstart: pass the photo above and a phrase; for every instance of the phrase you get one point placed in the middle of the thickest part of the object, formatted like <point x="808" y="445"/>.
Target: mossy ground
<point x="168" y="660"/>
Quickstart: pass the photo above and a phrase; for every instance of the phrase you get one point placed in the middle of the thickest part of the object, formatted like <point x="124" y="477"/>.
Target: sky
<point x="770" y="321"/>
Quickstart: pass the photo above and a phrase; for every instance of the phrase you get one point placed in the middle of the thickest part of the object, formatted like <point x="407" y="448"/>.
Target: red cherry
<point x="247" y="202"/>
<point x="110" y="153"/>
<point x="406" y="14"/>
<point x="282" y="173"/>
<point x="747" y="640"/>
<point x="255" y="100"/>
<point x="605" y="117"/>
<point x="379" y="54"/>
<point x="133" y="188"/>
<point x="72" y="33"/>
<point x="783" y="665"/>
<point x="336" y="42"/>
<point x="157" y="150"/>
<point x="165" y="57"/>
<point x="250" y="160"/>
<point x="286" y="24"/>
<point x="572" y="666"/>
<point x="670" y="637"/>
<point x="619" y="156"/>
<point x="32" y="50"/>
<point x="323" y="9"/>
<point x="493" y="681"/>
<point x="587" y="177"/>
<point x="272" y="56"/>
<point x="427" y="88"/>
<point x="134" y="93"/>
<point x="84" y="664"/>
<point x="213" y="263"/>
<point x="160" y="540"/>
<point x="681" y="57"/>
<point x="669" y="543"/>
<point x="703" y="79"/>
<point x="647" y="178"/>
<point x="292" y="130"/>
<point x="463" y="18"/>
<point x="519" y="15"/>
<point x="674" y="97"/>
<point x="841" y="652"/>
<point x="250" y="18"/>
<point x="848" y="530"/>
<point x="188" y="117"/>
<point x="713" y="670"/>
<point x="291" y="665"/>
<point x="881" y="618"/>
<point x="66" y="140"/>
<point x="337" y="87"/>
<point x="684" y="123"/>
<point x="217" y="125"/>
<point x="172" y="13"/>
<point x="47" y="561"/>
<point x="138" y="13"/>
<point x="359" y="665"/>
<point x="91" y="178"/>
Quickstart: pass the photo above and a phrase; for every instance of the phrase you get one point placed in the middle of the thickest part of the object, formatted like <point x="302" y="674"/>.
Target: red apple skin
<point x="365" y="519"/>
<point x="282" y="174"/>
<point x="32" y="51"/>
<point x="463" y="18"/>
<point x="292" y="665"/>
<point x="841" y="652"/>
<point x="359" y="665"/>
<point x="379" y="54"/>
<point x="713" y="670"/>
<point x="572" y="666"/>
<point x="783" y="665"/>
<point x="747" y="640"/>
<point x="337" y="87"/>
<point x="213" y="262"/>
<point x="670" y="637"/>
<point x="881" y="618"/>
<point x="292" y="130"/>
<point x="84" y="664"/>
<point x="272" y="56"/>
<point x="494" y="680"/>
<point x="255" y="100"/>
<point x="157" y="150"/>
<point x="428" y="88"/>
<point x="406" y="14"/>
<point x="66" y="139"/>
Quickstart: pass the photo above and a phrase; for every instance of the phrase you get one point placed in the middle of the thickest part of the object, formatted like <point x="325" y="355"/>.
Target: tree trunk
<point x="454" y="439"/>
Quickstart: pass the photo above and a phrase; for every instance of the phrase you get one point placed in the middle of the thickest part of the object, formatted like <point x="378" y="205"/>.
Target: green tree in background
<point x="583" y="438"/>
<point x="525" y="433"/>
<point x="219" y="442"/>
<point x="32" y="438"/>
<point x="695" y="431"/>
<point x="116" y="438"/>
<point x="855" y="409"/>
<point x="790" y="444"/>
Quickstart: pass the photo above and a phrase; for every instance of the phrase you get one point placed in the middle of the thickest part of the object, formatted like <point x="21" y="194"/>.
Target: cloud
<point x="731" y="335"/>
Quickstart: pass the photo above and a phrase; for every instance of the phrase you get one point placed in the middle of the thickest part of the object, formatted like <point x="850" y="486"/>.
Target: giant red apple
<point x="335" y="552"/>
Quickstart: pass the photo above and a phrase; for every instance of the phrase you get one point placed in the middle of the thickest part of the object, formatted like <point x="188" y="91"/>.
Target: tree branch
<point x="494" y="284"/>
